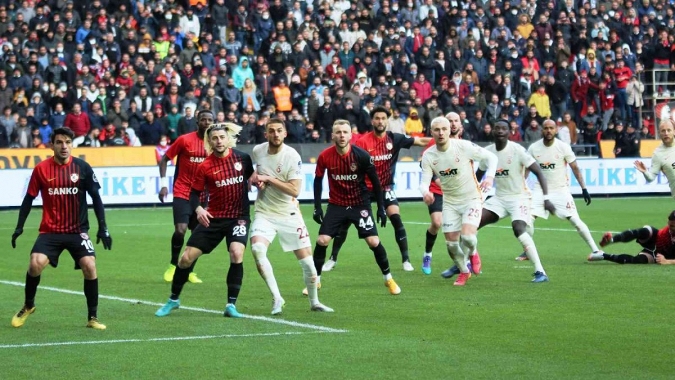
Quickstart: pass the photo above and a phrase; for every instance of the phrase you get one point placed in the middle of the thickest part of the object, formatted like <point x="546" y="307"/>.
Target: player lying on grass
<point x="657" y="245"/>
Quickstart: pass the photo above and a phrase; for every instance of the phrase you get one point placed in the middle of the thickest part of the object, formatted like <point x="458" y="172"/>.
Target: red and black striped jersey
<point x="64" y="194"/>
<point x="384" y="151"/>
<point x="346" y="175"/>
<point x="226" y="180"/>
<point x="665" y="243"/>
<point x="190" y="151"/>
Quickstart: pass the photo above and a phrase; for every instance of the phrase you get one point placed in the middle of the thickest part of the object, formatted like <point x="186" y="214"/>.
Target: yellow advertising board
<point x="96" y="157"/>
<point x="646" y="148"/>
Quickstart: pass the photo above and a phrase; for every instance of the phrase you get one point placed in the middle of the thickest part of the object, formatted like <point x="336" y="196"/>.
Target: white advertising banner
<point x="140" y="185"/>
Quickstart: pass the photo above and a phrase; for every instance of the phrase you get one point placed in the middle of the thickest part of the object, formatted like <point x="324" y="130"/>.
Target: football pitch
<point x="592" y="320"/>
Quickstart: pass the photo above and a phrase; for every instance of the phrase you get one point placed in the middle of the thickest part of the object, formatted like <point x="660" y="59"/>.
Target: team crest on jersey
<point x="353" y="167"/>
<point x="242" y="222"/>
<point x="237" y="166"/>
<point x="84" y="236"/>
<point x="364" y="213"/>
<point x="435" y="163"/>
<point x="74" y="177"/>
<point x="389" y="146"/>
<point x="279" y="168"/>
<point x="456" y="158"/>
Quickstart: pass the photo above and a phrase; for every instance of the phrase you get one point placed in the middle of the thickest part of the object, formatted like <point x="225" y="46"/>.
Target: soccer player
<point x="663" y="158"/>
<point x="349" y="199"/>
<point x="512" y="197"/>
<point x="657" y="245"/>
<point x="279" y="178"/>
<point x="553" y="156"/>
<point x="452" y="161"/>
<point x="436" y="208"/>
<point x="225" y="173"/>
<point x="189" y="149"/>
<point x="384" y="146"/>
<point x="63" y="182"/>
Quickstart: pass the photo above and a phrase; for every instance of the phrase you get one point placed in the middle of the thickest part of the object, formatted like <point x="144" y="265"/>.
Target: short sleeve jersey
<point x="385" y="151"/>
<point x="286" y="165"/>
<point x="511" y="164"/>
<point x="346" y="175"/>
<point x="455" y="167"/>
<point x="226" y="179"/>
<point x="64" y="194"/>
<point x="663" y="160"/>
<point x="553" y="161"/>
<point x="189" y="149"/>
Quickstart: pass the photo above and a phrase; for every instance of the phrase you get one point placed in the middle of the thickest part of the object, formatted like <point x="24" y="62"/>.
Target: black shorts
<point x="52" y="245"/>
<point x="184" y="214"/>
<point x="437" y="206"/>
<point x="206" y="239"/>
<point x="338" y="217"/>
<point x="389" y="197"/>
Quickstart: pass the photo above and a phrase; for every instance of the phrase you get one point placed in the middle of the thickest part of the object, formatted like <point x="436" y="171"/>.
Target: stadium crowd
<point x="134" y="73"/>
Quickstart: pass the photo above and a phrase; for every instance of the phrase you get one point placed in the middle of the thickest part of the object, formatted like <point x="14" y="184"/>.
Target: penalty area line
<point x="168" y="339"/>
<point x="198" y="309"/>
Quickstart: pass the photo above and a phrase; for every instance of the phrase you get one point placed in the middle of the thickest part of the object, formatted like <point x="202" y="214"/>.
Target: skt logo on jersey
<point x="344" y="177"/>
<point x="502" y="173"/>
<point x="197" y="160"/>
<point x="63" y="190"/>
<point x="547" y="166"/>
<point x="383" y="157"/>
<point x="230" y="181"/>
<point x="673" y="165"/>
<point x="448" y="172"/>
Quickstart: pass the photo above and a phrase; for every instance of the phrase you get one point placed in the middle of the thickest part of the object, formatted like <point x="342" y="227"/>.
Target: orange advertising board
<point x="96" y="157"/>
<point x="646" y="148"/>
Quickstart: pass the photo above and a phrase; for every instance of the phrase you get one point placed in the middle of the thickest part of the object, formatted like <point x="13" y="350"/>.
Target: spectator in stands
<point x="79" y="122"/>
<point x="627" y="142"/>
<point x="645" y="135"/>
<point x="161" y="148"/>
<point x="413" y="125"/>
<point x="514" y="132"/>
<point x="634" y="92"/>
<point x="151" y="130"/>
<point x="532" y="132"/>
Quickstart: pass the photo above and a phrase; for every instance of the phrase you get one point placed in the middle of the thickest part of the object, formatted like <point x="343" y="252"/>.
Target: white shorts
<point x="562" y="201"/>
<point x="454" y="216"/>
<point x="293" y="234"/>
<point x="517" y="207"/>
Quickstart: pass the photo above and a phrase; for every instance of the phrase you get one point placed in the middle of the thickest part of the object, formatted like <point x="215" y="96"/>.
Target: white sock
<point x="427" y="254"/>
<point x="531" y="251"/>
<point x="585" y="233"/>
<point x="387" y="277"/>
<point x="457" y="255"/>
<point x="530" y="228"/>
<point x="309" y="275"/>
<point x="265" y="268"/>
<point x="469" y="243"/>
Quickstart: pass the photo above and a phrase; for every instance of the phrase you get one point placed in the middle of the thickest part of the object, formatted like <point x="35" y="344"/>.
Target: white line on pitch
<point x="178" y="338"/>
<point x="199" y="309"/>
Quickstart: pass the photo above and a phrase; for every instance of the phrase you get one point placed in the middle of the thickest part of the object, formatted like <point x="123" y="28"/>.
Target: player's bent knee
<point x="302" y="253"/>
<point x="373" y="241"/>
<point x="88" y="265"/>
<point x="323" y="240"/>
<point x="519" y="227"/>
<point x="181" y="228"/>
<point x="188" y="257"/>
<point x="259" y="251"/>
<point x="38" y="262"/>
<point x="470" y="240"/>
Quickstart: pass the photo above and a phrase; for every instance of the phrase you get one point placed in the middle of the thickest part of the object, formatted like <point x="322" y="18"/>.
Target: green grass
<point x="598" y="320"/>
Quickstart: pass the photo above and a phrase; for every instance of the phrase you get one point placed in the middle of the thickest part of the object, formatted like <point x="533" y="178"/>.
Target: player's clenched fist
<point x="318" y="215"/>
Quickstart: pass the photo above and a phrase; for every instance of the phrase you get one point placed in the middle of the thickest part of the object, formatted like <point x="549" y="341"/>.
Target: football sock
<point x="235" y="276"/>
<point x="319" y="257"/>
<point x="582" y="228"/>
<point x="468" y="243"/>
<point x="338" y="242"/>
<point x="629" y="235"/>
<point x="626" y="259"/>
<point x="401" y="236"/>
<point x="530" y="229"/>
<point x="265" y="268"/>
<point x="177" y="241"/>
<point x="457" y="255"/>
<point x="531" y="251"/>
<point x="309" y="275"/>
<point x="30" y="290"/>
<point x="180" y="277"/>
<point x="429" y="245"/>
<point x="91" y="293"/>
<point x="381" y="258"/>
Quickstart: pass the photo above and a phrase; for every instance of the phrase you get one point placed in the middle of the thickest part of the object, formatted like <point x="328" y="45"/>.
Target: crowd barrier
<point x="96" y="157"/>
<point x="140" y="185"/>
<point x="646" y="148"/>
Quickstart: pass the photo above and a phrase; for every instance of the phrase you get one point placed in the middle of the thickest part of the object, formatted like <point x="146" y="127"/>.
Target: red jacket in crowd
<point x="78" y="123"/>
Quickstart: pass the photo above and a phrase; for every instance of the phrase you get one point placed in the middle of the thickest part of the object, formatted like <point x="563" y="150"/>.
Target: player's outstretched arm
<point x="24" y="211"/>
<point x="661" y="260"/>
<point x="580" y="180"/>
<point x="422" y="141"/>
<point x="651" y="173"/>
<point x="163" y="181"/>
<point x="536" y="170"/>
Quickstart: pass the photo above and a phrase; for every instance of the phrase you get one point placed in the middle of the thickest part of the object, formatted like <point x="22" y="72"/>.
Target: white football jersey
<point x="663" y="160"/>
<point x="455" y="167"/>
<point x="553" y="161"/>
<point x="512" y="161"/>
<point x="286" y="165"/>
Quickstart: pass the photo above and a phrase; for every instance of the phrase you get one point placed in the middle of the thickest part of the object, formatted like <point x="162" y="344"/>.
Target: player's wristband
<point x="547" y="198"/>
<point x="163" y="182"/>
